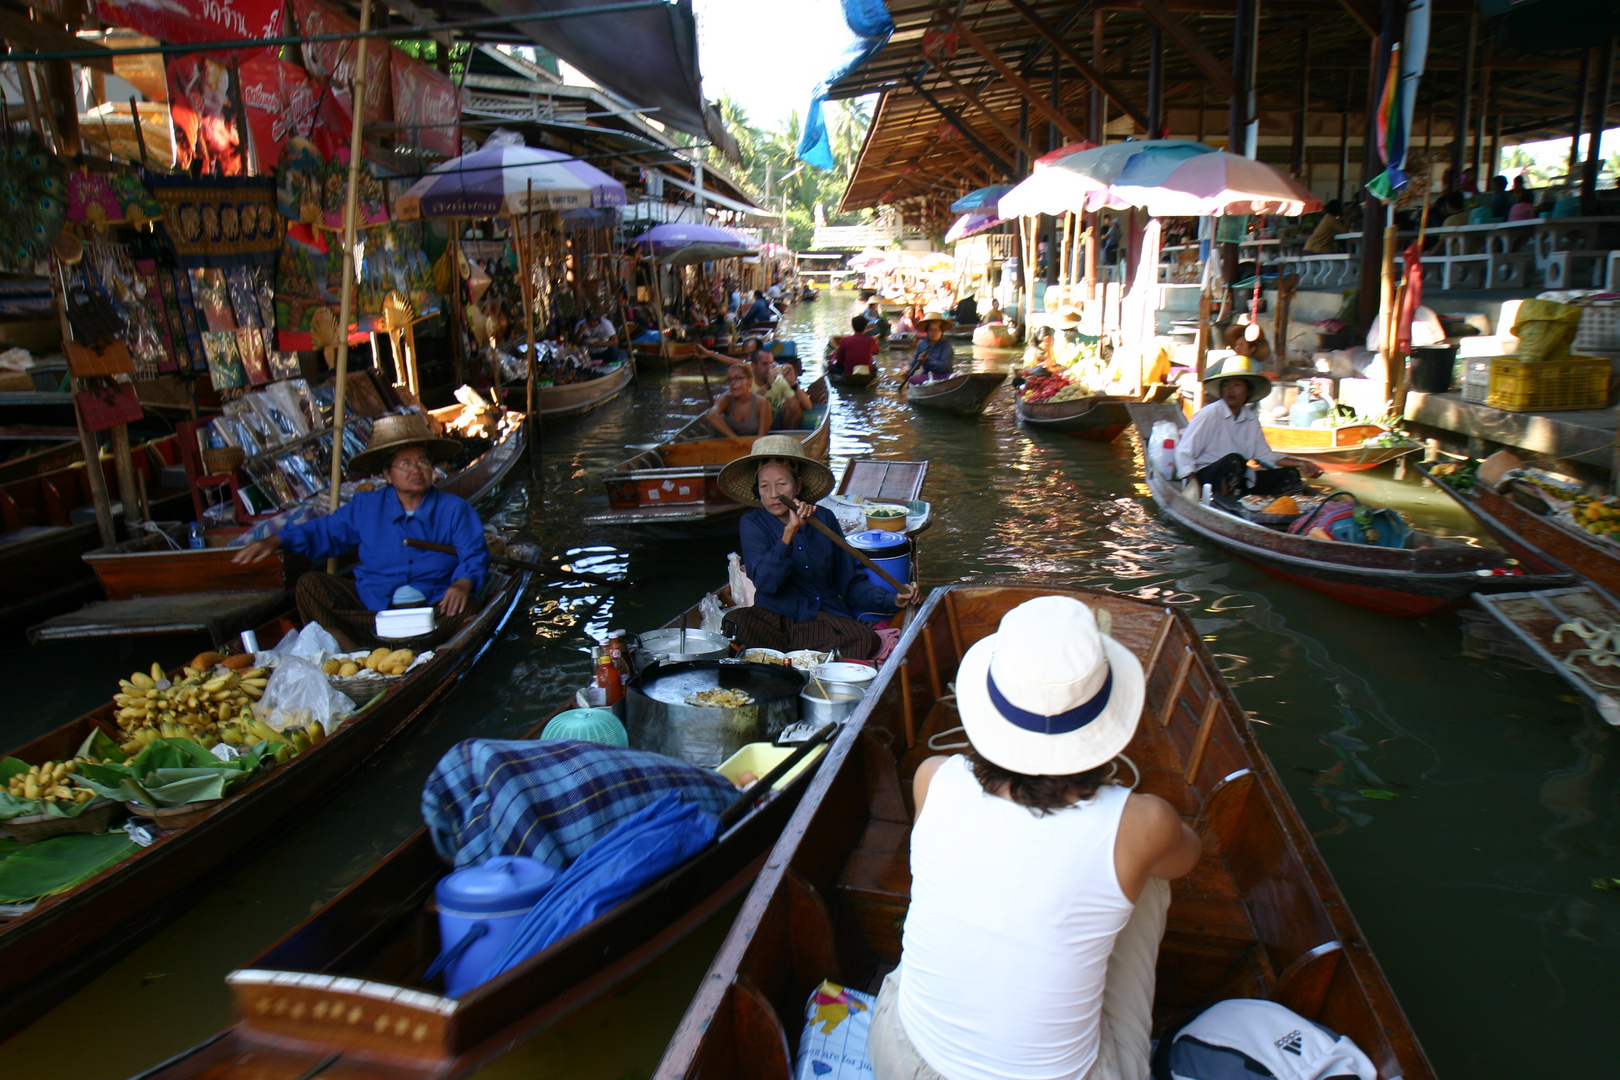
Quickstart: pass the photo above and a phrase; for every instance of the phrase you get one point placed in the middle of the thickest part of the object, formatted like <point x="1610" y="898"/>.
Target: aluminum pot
<point x="673" y="646"/>
<point x="829" y="703"/>
<point x="659" y="719"/>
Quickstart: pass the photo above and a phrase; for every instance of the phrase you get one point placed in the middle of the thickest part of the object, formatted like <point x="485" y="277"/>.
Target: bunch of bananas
<point x="153" y="706"/>
<point x="249" y="731"/>
<point x="1595" y="516"/>
<point x="49" y="783"/>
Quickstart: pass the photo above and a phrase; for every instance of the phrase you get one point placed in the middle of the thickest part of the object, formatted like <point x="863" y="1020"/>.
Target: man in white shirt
<point x="1218" y="443"/>
<point x="598" y="335"/>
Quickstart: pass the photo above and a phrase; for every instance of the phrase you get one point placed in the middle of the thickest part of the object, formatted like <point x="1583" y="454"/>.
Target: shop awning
<point x="752" y="215"/>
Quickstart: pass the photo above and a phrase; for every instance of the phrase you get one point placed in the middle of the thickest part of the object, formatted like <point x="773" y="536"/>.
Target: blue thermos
<point x="479" y="908"/>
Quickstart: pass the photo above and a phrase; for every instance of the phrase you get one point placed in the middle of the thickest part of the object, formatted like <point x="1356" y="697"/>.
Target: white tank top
<point x="1012" y="920"/>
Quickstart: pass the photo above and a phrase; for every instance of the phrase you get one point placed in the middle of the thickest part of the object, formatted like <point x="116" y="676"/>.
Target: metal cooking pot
<point x="659" y="719"/>
<point x="671" y="646"/>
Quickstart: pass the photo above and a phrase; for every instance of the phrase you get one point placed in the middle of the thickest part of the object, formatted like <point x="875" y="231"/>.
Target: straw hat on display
<point x="1049" y="694"/>
<point x="739" y="480"/>
<point x="397" y="430"/>
<point x="945" y="321"/>
<point x="1067" y="317"/>
<point x="1233" y="366"/>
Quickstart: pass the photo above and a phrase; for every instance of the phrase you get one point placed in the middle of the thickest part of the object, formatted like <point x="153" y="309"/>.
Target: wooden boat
<point x="657" y="350"/>
<point x="1431" y="574"/>
<point x="65" y="939"/>
<point x="148" y="567"/>
<point x="309" y="1000"/>
<point x="31" y="449"/>
<point x="572" y="399"/>
<point x="902" y="342"/>
<point x="674" y="487"/>
<point x="994" y="336"/>
<point x="47" y="523"/>
<point x="1100" y="418"/>
<point x="967" y="394"/>
<point x="1342" y="449"/>
<point x="1521" y="520"/>
<point x="1260" y="916"/>
<point x="853" y="381"/>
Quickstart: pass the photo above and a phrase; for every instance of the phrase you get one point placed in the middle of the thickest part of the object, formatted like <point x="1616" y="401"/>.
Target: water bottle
<point x="197" y="535"/>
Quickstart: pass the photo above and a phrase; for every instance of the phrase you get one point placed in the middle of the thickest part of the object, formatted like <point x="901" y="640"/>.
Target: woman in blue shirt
<point x="389" y="574"/>
<point x="934" y="358"/>
<point x="807" y="590"/>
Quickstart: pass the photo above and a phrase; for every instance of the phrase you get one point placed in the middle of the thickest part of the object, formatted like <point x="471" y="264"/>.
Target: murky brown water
<point x="1464" y="802"/>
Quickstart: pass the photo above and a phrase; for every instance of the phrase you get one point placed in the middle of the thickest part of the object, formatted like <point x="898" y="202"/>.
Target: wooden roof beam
<point x="995" y="121"/>
<point x="1062" y="48"/>
<point x="1045" y="107"/>
<point x="1188" y="42"/>
<point x="963" y="126"/>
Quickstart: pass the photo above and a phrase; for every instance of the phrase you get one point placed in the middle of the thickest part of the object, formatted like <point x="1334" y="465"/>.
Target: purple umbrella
<point x="500" y="180"/>
<point x="973" y="223"/>
<point x="681" y="243"/>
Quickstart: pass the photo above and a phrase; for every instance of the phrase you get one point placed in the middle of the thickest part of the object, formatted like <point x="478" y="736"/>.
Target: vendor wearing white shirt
<point x="1219" y="442"/>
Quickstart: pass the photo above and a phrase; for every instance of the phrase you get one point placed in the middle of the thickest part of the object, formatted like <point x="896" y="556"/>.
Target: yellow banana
<point x="142" y="680"/>
<point x="158" y="672"/>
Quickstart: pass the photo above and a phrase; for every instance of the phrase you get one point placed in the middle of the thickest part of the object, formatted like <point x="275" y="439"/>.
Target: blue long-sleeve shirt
<point x="377" y="524"/>
<point x="937" y="357"/>
<point x="808" y="576"/>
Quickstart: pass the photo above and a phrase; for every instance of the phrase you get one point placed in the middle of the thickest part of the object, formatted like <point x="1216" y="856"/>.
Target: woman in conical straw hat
<point x="934" y="358"/>
<point x="1218" y="443"/>
<point x="808" y="592"/>
<point x="405" y="450"/>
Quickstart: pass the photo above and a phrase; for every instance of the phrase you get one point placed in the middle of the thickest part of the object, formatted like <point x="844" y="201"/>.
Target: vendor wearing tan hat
<point x="1219" y="441"/>
<point x="1039" y="884"/>
<point x="404" y="449"/>
<point x="807" y="590"/>
<point x="934" y="358"/>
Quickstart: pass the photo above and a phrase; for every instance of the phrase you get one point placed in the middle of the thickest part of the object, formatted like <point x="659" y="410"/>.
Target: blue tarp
<point x="869" y="26"/>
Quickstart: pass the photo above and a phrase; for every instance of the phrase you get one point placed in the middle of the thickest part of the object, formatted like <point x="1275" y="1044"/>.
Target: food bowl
<point x="763" y="656"/>
<point x="886" y="517"/>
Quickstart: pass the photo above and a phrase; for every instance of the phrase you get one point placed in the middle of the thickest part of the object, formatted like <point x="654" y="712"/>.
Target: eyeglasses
<point x="414" y="465"/>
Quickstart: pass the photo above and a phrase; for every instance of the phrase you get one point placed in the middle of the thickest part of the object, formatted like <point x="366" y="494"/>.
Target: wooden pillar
<point x="1238" y="114"/>
<point x="1156" y="83"/>
<point x="1594" y="130"/>
<point x="1496" y="144"/>
<point x="1097" y="123"/>
<point x="1459" y="125"/>
<point x="1302" y="108"/>
<point x="1579" y="118"/>
<point x="1482" y="111"/>
<point x="1344" y="137"/>
<point x="1372" y="214"/>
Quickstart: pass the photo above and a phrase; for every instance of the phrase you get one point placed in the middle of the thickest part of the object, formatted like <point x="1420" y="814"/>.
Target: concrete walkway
<point x="1583" y="436"/>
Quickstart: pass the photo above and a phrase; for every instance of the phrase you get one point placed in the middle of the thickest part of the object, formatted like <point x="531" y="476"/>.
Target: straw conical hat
<point x="395" y="430"/>
<point x="1233" y="366"/>
<point x="936" y="316"/>
<point x="739" y="480"/>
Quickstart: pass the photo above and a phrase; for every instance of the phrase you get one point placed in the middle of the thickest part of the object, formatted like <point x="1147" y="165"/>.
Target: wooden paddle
<point x="521" y="564"/>
<point x="860" y="556"/>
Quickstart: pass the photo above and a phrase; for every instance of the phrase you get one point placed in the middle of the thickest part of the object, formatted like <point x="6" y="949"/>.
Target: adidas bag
<point x="1348" y="521"/>
<point x="1250" y="1039"/>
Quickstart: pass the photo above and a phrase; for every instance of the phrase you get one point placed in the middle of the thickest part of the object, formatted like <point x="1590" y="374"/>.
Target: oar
<point x="860" y="556"/>
<point x="739" y="806"/>
<point x="520" y="564"/>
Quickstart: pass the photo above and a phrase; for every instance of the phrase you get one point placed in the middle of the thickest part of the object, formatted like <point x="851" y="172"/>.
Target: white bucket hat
<point x="1048" y="694"/>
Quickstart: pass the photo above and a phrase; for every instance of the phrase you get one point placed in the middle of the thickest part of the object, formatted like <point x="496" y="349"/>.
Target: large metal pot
<point x="675" y="646"/>
<point x="659" y="719"/>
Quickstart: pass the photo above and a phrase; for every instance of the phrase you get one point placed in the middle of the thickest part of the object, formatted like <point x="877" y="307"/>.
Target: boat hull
<point x="852" y="382"/>
<point x="556" y="402"/>
<point x="1288" y="440"/>
<point x="967" y="394"/>
<point x="1100" y="419"/>
<point x="1355" y="458"/>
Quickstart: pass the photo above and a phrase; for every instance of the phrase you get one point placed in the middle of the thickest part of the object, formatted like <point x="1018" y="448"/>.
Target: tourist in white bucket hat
<point x="1038" y="887"/>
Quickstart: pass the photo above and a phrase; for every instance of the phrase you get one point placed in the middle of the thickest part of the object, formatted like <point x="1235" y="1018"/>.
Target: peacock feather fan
<point x="33" y="202"/>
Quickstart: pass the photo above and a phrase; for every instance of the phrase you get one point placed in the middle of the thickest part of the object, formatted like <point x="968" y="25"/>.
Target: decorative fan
<point x="33" y="202"/>
<point x="324" y="335"/>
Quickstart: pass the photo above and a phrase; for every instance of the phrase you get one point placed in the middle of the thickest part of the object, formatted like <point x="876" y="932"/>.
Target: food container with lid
<point x="480" y="908"/>
<point x="677" y="645"/>
<point x="857" y="677"/>
<point x="889" y="550"/>
<point x="886" y="517"/>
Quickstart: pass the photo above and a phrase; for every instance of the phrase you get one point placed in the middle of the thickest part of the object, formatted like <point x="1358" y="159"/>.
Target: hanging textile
<point x="35" y="199"/>
<point x="1399" y="73"/>
<point x="869" y="26"/>
<point x="334" y="61"/>
<point x="306" y="282"/>
<point x="219" y="221"/>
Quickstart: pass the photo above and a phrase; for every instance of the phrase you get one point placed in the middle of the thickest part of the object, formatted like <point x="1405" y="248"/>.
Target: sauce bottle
<point x="607" y="676"/>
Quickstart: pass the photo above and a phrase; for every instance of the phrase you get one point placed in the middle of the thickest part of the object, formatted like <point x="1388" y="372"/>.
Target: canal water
<point x="1464" y="801"/>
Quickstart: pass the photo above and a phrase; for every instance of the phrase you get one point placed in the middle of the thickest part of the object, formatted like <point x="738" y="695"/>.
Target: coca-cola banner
<point x="197" y="22"/>
<point x="281" y="102"/>
<point x="334" y="60"/>
<point x="427" y="107"/>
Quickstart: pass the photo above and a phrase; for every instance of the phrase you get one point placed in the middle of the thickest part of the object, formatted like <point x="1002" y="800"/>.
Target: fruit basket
<point x="372" y="674"/>
<point x="172" y="817"/>
<point x="97" y="817"/>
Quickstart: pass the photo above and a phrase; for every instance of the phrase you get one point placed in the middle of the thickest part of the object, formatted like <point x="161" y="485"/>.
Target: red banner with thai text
<point x="197" y="22"/>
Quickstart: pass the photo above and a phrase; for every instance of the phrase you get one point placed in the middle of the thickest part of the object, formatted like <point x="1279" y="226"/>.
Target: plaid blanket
<point x="550" y="799"/>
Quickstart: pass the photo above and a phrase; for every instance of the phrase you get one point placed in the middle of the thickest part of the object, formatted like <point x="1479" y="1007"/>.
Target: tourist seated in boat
<point x="807" y="590"/>
<point x="789" y="406"/>
<point x="759" y="312"/>
<point x="1039" y="883"/>
<point x="389" y="574"/>
<point x="768" y="378"/>
<point x="934" y="358"/>
<point x="1219" y="442"/>
<point x="854" y="351"/>
<point x="740" y="411"/>
<point x="875" y="322"/>
<point x="597" y="334"/>
<point x="994" y="313"/>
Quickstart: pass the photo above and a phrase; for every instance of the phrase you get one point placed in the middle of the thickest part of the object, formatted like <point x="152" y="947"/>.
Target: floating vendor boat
<point x="1428" y="574"/>
<point x="557" y="400"/>
<point x="1348" y="448"/>
<point x="47" y="523"/>
<point x="1096" y="417"/>
<point x="674" y="486"/>
<point x="1259" y="917"/>
<point x="349" y="985"/>
<point x="967" y="394"/>
<point x="855" y="380"/>
<point x="51" y="944"/>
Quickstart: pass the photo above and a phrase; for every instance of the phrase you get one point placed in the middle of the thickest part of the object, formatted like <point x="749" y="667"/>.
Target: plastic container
<point x="1431" y="367"/>
<point x="1581" y="382"/>
<point x="488" y="901"/>
<point x="589" y="725"/>
<point x="760" y="758"/>
<point x="890" y="550"/>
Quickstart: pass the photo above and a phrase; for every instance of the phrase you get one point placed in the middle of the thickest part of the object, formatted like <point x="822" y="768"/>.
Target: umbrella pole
<point x="526" y="262"/>
<point x="658" y="318"/>
<point x="357" y="97"/>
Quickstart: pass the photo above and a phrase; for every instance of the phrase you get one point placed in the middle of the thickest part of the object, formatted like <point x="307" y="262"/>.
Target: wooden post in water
<point x="357" y="87"/>
<point x="526" y="264"/>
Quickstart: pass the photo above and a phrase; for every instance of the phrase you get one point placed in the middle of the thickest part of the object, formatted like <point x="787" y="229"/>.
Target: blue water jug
<point x="1307" y="410"/>
<point x="479" y="908"/>
<point x="890" y="550"/>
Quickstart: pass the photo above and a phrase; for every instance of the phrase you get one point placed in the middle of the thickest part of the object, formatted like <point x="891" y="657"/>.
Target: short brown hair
<point x="1040" y="794"/>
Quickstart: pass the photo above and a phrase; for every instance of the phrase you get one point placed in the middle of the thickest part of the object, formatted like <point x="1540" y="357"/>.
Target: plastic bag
<point x="837" y="1022"/>
<point x="1545" y="329"/>
<point x="1162" y="457"/>
<point x="312" y="641"/>
<point x="742" y="589"/>
<point x="299" y="693"/>
<point x="709" y="609"/>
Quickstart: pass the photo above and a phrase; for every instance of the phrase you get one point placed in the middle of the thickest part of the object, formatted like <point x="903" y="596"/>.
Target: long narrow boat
<point x="1349" y="448"/>
<point x="63" y="940"/>
<point x="1260" y="916"/>
<point x="346" y="986"/>
<point x="1100" y="418"/>
<point x="1430" y="574"/>
<point x="853" y="381"/>
<point x="674" y="487"/>
<point x="967" y="394"/>
<point x="572" y="399"/>
<point x="31" y="449"/>
<point x="1528" y="531"/>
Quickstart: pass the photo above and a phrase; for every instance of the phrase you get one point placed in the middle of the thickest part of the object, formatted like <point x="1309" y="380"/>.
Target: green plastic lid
<point x="587" y="725"/>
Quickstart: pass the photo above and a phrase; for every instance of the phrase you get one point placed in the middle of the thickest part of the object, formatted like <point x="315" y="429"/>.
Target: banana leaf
<point x="173" y="772"/>
<point x="58" y="864"/>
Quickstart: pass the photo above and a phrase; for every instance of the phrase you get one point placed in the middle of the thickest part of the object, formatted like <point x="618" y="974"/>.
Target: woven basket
<point x="223" y="460"/>
<point x="363" y="687"/>
<point x="36" y="827"/>
<point x="173" y="817"/>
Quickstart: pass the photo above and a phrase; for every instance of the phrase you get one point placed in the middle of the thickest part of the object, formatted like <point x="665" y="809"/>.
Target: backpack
<point x="1251" y="1039"/>
<point x="1352" y="522"/>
